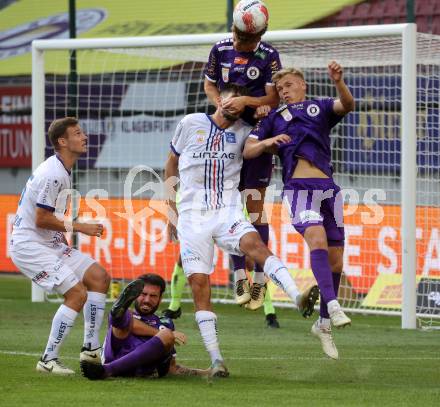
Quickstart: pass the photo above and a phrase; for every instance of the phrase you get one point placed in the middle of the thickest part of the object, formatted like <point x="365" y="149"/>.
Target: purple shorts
<point x="256" y="172"/>
<point x="316" y="201"/>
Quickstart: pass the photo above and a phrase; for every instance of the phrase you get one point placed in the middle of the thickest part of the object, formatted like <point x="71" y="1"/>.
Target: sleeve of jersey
<point x="211" y="66"/>
<point x="178" y="142"/>
<point x="332" y="117"/>
<point x="47" y="198"/>
<point x="273" y="67"/>
<point x="261" y="131"/>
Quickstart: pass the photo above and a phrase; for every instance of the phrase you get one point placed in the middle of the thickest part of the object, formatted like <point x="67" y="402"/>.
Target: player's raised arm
<point x="254" y="148"/>
<point x="345" y="103"/>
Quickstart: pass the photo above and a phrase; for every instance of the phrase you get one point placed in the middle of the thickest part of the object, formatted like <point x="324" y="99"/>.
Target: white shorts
<point x="53" y="269"/>
<point x="199" y="231"/>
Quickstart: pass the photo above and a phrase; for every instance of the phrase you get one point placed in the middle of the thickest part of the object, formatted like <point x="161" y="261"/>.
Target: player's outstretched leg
<point x="178" y="280"/>
<point x="128" y="295"/>
<point x="148" y="353"/>
<point x="252" y="245"/>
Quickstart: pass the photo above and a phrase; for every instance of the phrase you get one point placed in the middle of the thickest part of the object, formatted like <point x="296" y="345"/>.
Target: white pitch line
<point x="255" y="358"/>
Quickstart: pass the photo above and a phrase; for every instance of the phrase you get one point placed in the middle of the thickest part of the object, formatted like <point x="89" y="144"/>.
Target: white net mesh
<point x="130" y="100"/>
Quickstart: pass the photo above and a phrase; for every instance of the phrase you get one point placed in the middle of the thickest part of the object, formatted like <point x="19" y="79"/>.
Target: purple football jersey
<point x="309" y="124"/>
<point x="115" y="348"/>
<point x="252" y="70"/>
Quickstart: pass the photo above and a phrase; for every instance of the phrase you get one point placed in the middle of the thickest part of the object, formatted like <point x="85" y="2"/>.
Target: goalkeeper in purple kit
<point x="299" y="132"/>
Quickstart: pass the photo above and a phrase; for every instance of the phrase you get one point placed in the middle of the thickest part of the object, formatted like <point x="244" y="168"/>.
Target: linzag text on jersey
<point x="214" y="154"/>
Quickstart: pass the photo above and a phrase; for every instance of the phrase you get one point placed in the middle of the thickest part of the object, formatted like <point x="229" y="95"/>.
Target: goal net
<point x="129" y="95"/>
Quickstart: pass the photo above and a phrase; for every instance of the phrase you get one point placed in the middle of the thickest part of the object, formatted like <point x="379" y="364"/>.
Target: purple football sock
<point x="263" y="230"/>
<point x="145" y="354"/>
<point x="323" y="311"/>
<point x="323" y="274"/>
<point x="120" y="323"/>
<point x="239" y="262"/>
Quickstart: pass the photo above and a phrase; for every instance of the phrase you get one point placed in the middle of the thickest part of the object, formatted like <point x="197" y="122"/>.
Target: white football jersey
<point x="210" y="160"/>
<point x="42" y="190"/>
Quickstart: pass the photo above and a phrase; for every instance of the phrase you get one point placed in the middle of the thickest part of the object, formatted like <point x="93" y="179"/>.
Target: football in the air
<point x="251" y="16"/>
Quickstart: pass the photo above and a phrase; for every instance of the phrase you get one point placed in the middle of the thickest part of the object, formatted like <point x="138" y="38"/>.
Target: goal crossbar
<point x="408" y="34"/>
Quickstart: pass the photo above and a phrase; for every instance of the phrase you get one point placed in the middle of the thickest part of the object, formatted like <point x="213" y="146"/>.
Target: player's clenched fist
<point x="335" y="71"/>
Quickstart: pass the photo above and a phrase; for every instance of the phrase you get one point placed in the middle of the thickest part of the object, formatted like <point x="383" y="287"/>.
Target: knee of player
<point x="77" y="295"/>
<point x="337" y="265"/>
<point x="167" y="338"/>
<point x="317" y="241"/>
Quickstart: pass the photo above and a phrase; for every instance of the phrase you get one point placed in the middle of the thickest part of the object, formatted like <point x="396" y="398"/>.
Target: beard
<point x="230" y="116"/>
<point x="150" y="312"/>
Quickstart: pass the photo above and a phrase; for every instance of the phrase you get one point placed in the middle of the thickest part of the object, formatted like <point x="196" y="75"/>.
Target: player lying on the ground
<point x="299" y="132"/>
<point x="140" y="343"/>
<point x="39" y="249"/>
<point x="248" y="61"/>
<point x="207" y="156"/>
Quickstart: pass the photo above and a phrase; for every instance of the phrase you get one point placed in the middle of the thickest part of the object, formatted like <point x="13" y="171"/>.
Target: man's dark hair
<point x="154" y="279"/>
<point x="58" y="128"/>
<point x="248" y="38"/>
<point x="236" y="90"/>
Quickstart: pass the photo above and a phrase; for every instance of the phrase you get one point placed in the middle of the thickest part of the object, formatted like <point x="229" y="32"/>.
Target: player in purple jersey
<point x="247" y="61"/>
<point x="299" y="132"/>
<point x="140" y="343"/>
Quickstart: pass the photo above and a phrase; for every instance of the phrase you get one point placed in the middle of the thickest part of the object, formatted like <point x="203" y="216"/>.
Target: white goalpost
<point x="131" y="92"/>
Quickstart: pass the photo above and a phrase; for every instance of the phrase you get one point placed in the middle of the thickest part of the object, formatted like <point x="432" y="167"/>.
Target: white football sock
<point x="207" y="322"/>
<point x="324" y="323"/>
<point x="93" y="316"/>
<point x="333" y="306"/>
<point x="239" y="274"/>
<point x="278" y="273"/>
<point x="259" y="277"/>
<point x="61" y="324"/>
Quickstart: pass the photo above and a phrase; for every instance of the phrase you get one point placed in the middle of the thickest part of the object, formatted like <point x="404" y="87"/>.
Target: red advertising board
<point x="15" y="127"/>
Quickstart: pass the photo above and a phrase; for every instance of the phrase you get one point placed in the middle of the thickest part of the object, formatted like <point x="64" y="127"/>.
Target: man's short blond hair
<point x="287" y="71"/>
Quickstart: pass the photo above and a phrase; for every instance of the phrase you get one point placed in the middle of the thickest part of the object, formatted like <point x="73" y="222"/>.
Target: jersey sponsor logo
<point x="310" y="216"/>
<point x="253" y="72"/>
<point x="230" y="137"/>
<point x="239" y="69"/>
<point x="214" y="155"/>
<point x="225" y="74"/>
<point x="188" y="256"/>
<point x="225" y="48"/>
<point x="234" y="226"/>
<point x="40" y="276"/>
<point x="240" y="61"/>
<point x="260" y="54"/>
<point x="313" y="110"/>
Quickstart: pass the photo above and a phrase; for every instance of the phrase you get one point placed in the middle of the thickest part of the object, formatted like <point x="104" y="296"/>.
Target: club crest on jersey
<point x="230" y="138"/>
<point x="200" y="136"/>
<point x="225" y="74"/>
<point x="253" y="72"/>
<point x="313" y="110"/>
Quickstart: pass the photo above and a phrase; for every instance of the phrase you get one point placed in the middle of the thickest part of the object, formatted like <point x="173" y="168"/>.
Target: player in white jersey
<point x="207" y="155"/>
<point x="39" y="249"/>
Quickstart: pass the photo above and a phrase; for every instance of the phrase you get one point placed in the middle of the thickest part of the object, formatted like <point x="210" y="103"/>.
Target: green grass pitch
<point x="380" y="365"/>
